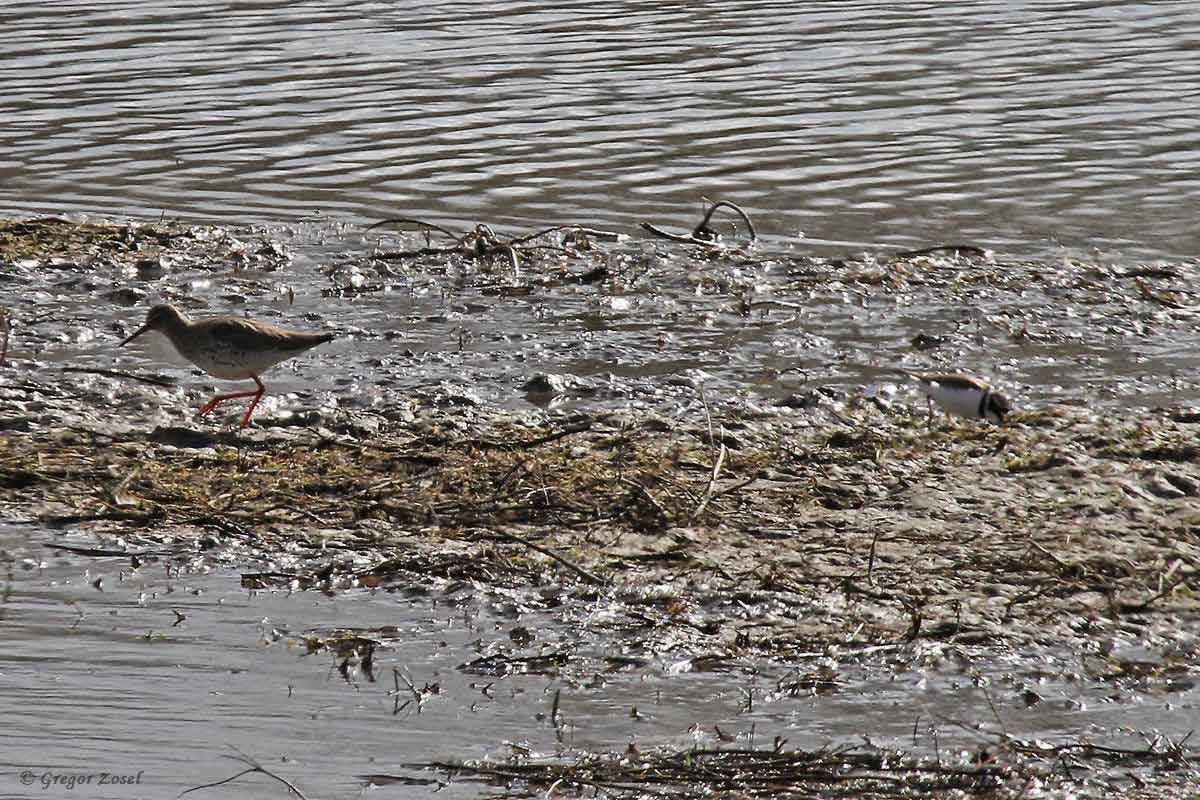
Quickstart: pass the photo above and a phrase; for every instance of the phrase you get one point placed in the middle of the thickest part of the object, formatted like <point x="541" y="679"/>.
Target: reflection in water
<point x="1015" y="126"/>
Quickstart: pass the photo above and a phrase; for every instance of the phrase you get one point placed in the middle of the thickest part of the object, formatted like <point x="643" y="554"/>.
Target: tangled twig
<point x="481" y="242"/>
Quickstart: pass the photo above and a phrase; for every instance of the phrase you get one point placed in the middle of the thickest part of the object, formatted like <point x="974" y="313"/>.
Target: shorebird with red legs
<point x="230" y="348"/>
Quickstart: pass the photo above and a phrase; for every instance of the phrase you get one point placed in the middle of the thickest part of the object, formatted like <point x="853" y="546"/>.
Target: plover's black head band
<point x="997" y="406"/>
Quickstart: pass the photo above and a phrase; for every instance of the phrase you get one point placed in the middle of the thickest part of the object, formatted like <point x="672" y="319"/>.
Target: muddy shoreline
<point x="1061" y="527"/>
<point x="835" y="530"/>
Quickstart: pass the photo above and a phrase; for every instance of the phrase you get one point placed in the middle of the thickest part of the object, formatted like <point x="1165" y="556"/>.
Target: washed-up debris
<point x="1004" y="768"/>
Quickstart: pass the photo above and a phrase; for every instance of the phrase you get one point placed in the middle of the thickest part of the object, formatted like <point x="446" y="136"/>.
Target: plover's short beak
<point x="136" y="334"/>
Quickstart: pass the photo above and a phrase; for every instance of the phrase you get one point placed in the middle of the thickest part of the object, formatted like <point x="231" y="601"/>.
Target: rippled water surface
<point x="1019" y="126"/>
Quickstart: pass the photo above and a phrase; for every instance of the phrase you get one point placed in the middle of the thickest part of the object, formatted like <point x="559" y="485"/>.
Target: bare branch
<point x="164" y="382"/>
<point x="594" y="232"/>
<point x="254" y="766"/>
<point x="409" y="221"/>
<point x="704" y="232"/>
<point x="578" y="570"/>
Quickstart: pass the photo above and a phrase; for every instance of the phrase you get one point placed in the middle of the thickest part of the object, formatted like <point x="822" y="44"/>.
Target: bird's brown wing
<point x="249" y="334"/>
<point x="955" y="380"/>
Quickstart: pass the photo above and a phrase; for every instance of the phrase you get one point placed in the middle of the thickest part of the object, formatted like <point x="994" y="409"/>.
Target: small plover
<point x="961" y="394"/>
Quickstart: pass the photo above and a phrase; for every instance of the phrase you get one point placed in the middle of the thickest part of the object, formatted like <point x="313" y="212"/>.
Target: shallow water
<point x="673" y="343"/>
<point x="1028" y="128"/>
<point x="98" y="678"/>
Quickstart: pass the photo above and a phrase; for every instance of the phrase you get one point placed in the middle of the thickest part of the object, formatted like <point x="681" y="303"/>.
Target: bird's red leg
<point x="257" y="396"/>
<point x="221" y="398"/>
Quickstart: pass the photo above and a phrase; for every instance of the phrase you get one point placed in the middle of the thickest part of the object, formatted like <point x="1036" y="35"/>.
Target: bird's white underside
<point x="219" y="364"/>
<point x="957" y="400"/>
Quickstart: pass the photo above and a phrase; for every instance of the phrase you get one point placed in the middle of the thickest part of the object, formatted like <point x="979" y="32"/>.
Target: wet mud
<point x="815" y="536"/>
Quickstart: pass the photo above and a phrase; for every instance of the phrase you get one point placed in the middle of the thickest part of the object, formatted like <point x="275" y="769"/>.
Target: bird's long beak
<point x="136" y="334"/>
